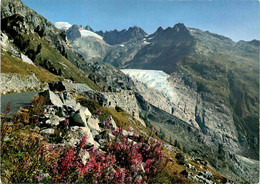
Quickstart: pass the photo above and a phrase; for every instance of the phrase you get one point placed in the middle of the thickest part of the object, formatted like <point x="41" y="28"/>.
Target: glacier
<point x="86" y="33"/>
<point x="153" y="79"/>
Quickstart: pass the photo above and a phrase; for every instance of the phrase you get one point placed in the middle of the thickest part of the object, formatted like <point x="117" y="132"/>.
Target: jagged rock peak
<point x="160" y="29"/>
<point x="89" y="28"/>
<point x="179" y="27"/>
<point x="118" y="37"/>
<point x="73" y="32"/>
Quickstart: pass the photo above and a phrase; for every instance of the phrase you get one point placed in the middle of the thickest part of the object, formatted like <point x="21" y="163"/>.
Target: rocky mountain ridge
<point x="118" y="37"/>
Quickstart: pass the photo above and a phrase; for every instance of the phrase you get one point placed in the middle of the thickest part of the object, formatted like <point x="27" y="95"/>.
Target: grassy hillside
<point x="11" y="64"/>
<point x="42" y="42"/>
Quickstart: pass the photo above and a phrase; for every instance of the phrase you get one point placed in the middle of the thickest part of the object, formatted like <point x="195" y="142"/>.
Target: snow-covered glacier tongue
<point x="159" y="89"/>
<point x="153" y="79"/>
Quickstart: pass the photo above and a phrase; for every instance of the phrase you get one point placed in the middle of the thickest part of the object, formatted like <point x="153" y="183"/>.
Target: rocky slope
<point x="214" y="69"/>
<point x="82" y="131"/>
<point x="35" y="37"/>
<point x="87" y="43"/>
<point x="48" y="47"/>
<point x="92" y="47"/>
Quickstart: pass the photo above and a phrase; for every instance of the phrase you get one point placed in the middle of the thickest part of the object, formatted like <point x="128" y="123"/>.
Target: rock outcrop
<point x="14" y="83"/>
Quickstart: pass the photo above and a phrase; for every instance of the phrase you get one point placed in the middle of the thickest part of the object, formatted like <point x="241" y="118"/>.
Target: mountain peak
<point x="88" y="28"/>
<point x="180" y="27"/>
<point x="117" y="37"/>
<point x="62" y="25"/>
<point x="160" y="29"/>
<point x="73" y="32"/>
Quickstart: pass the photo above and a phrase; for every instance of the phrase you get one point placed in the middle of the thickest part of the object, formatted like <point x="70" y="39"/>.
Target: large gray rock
<point x="84" y="155"/>
<point x="13" y="83"/>
<point x="95" y="95"/>
<point x="87" y="113"/>
<point x="79" y="118"/>
<point x="76" y="133"/>
<point x="57" y="86"/>
<point x="54" y="120"/>
<point x="48" y="131"/>
<point x="93" y="124"/>
<point x="52" y="98"/>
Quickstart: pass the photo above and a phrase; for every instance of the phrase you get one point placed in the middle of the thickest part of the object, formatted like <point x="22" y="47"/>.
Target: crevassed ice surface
<point x="155" y="79"/>
<point x="85" y="33"/>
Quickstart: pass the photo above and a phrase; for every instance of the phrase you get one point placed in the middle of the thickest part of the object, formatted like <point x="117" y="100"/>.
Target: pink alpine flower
<point x="107" y="123"/>
<point x="83" y="141"/>
<point x="66" y="122"/>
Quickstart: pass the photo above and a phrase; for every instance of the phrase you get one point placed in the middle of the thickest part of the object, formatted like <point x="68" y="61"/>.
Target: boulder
<point x="48" y="131"/>
<point x="79" y="118"/>
<point x="102" y="141"/>
<point x="54" y="120"/>
<point x="93" y="124"/>
<point x="61" y="86"/>
<point x="96" y="145"/>
<point x="77" y="107"/>
<point x="86" y="112"/>
<point x="85" y="109"/>
<point x="204" y="180"/>
<point x="52" y="98"/>
<point x="94" y="133"/>
<point x="127" y="133"/>
<point x="111" y="136"/>
<point x="76" y="133"/>
<point x="206" y="174"/>
<point x="95" y="95"/>
<point x="201" y="161"/>
<point x="69" y="100"/>
<point x="84" y="155"/>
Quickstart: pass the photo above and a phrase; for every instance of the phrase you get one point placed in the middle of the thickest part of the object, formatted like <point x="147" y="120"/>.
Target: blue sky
<point x="239" y="20"/>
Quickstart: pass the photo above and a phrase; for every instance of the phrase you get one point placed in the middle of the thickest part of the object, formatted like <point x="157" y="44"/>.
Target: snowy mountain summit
<point x="83" y="32"/>
<point x="63" y="25"/>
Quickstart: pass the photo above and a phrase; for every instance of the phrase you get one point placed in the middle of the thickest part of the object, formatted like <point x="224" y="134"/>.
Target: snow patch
<point x="61" y="63"/>
<point x="146" y="43"/>
<point x="86" y="33"/>
<point x="62" y="25"/>
<point x="26" y="59"/>
<point x="246" y="159"/>
<point x="155" y="79"/>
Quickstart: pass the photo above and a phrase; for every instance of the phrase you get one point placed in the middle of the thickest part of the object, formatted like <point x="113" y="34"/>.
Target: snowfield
<point x="153" y="79"/>
<point x="63" y="25"/>
<point x="86" y="33"/>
